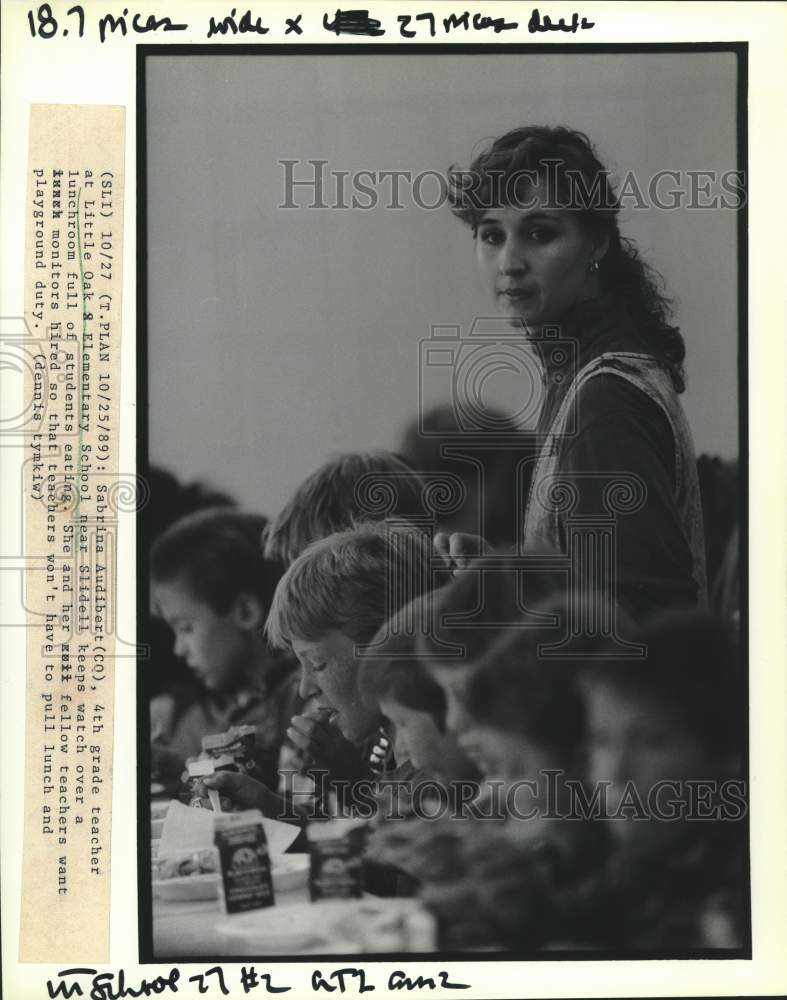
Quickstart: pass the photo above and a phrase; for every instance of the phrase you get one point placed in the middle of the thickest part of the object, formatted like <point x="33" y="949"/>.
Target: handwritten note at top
<point x="110" y="26"/>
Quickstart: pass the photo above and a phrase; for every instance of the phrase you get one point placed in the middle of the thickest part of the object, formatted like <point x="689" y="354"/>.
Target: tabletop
<point x="199" y="928"/>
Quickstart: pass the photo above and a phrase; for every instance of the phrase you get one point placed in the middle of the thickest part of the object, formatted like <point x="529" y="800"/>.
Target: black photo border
<point x="144" y="52"/>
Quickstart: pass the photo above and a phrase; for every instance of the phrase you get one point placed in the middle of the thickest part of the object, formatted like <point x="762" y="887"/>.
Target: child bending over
<point x="213" y="588"/>
<point x="329" y="604"/>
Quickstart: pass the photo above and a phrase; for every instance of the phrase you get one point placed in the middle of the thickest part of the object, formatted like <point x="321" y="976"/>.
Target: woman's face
<point x="535" y="261"/>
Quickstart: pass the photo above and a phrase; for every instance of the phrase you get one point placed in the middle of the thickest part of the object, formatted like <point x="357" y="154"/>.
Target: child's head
<point x="351" y="487"/>
<point x="212" y="586"/>
<point x="525" y="714"/>
<point x="334" y="598"/>
<point x="468" y="616"/>
<point x="670" y="717"/>
<point x="493" y="479"/>
<point x="395" y="678"/>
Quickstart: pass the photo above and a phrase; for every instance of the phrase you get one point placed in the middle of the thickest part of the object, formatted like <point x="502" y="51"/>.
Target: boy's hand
<point x="245" y="792"/>
<point x="458" y="550"/>
<point x="322" y="747"/>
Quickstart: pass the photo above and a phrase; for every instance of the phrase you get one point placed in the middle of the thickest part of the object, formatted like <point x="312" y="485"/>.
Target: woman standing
<point x="544" y="217"/>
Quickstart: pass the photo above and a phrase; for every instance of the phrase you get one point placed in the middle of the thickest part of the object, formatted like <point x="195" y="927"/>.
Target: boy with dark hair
<point x="169" y="501"/>
<point x="212" y="586"/>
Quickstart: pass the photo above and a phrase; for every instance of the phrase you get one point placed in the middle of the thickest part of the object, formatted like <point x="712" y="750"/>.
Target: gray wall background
<point x="277" y="337"/>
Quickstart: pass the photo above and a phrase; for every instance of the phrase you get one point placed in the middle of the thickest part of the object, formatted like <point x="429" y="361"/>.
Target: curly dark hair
<point x="504" y="172"/>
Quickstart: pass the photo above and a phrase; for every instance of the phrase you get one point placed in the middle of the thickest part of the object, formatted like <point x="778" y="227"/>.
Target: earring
<point x="593" y="266"/>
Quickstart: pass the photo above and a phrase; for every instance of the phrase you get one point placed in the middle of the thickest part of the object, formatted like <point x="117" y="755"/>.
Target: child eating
<point x="664" y="745"/>
<point x="213" y="588"/>
<point x="345" y="489"/>
<point x="394" y="675"/>
<point x="331" y="602"/>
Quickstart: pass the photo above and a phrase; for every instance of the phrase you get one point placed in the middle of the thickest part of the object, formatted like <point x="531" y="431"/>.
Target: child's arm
<point x="323" y="748"/>
<point x="248" y="793"/>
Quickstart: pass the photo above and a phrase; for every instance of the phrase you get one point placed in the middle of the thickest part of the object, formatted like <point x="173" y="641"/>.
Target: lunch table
<point x="188" y="929"/>
<point x="198" y="928"/>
